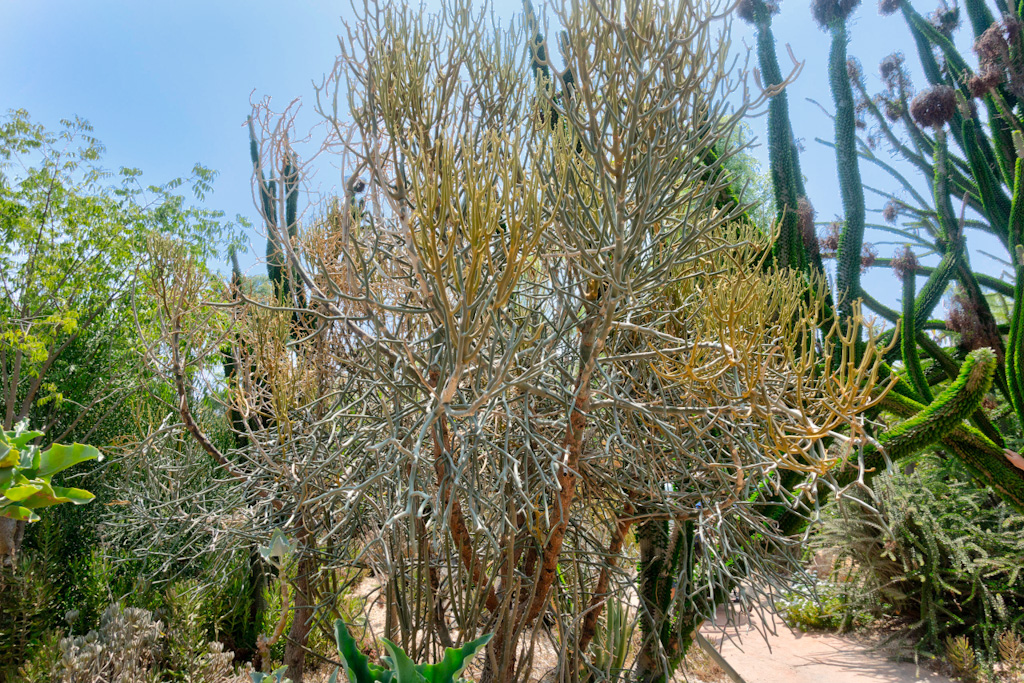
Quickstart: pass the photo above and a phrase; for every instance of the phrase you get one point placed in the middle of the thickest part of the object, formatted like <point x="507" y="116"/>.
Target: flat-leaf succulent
<point x="25" y="472"/>
<point x="401" y="668"/>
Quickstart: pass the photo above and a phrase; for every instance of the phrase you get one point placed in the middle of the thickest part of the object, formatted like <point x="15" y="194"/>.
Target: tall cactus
<point x="832" y="16"/>
<point x="281" y="225"/>
<point x="784" y="159"/>
<point x="966" y="159"/>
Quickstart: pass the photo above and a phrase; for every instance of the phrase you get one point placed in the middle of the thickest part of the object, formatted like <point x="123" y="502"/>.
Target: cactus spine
<point x="935" y="421"/>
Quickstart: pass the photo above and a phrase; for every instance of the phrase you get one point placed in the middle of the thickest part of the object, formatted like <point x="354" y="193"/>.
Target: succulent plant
<point x="26" y="470"/>
<point x="982" y="170"/>
<point x="400" y="668"/>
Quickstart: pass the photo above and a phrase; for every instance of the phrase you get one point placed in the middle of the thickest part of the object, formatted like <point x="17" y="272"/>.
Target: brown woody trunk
<point x="302" y="620"/>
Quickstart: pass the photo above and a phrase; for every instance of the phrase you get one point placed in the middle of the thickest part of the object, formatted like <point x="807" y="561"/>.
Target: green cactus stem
<point x="908" y="342"/>
<point x="993" y="199"/>
<point x="940" y="190"/>
<point x="936" y="420"/>
<point x="980" y="16"/>
<point x="784" y="160"/>
<point x="984" y="458"/>
<point x="926" y="36"/>
<point x="851" y="188"/>
<point x="1014" y="355"/>
<point x="947" y="411"/>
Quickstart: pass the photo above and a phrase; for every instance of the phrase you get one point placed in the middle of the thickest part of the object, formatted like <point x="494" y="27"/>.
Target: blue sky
<point x="169" y="84"/>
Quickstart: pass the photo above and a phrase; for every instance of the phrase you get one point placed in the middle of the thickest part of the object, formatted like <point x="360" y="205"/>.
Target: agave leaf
<point x="357" y="665"/>
<point x="454" y="661"/>
<point x="404" y="668"/>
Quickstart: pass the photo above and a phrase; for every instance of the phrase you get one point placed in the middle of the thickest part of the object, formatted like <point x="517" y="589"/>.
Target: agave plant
<point x="400" y="668"/>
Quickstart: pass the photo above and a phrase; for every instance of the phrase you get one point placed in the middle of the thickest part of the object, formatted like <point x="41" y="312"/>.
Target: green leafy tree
<point x="72" y="235"/>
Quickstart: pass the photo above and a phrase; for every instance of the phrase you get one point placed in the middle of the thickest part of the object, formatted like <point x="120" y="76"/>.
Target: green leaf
<point x="48" y="495"/>
<point x="277" y="676"/>
<point x="58" y="458"/>
<point x="357" y="665"/>
<point x="20" y="439"/>
<point x="405" y="669"/>
<point x="18" y="513"/>
<point x="454" y="661"/>
<point x="279" y="550"/>
<point x="72" y="495"/>
<point x="8" y="456"/>
<point x="21" y="492"/>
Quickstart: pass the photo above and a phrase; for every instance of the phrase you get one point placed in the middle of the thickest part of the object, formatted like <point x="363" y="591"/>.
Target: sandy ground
<point x="794" y="657"/>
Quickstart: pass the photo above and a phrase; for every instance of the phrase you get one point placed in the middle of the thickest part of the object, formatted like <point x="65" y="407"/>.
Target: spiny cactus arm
<point x="883" y="124"/>
<point x="986" y="319"/>
<point x="961" y="186"/>
<point x="980" y="16"/>
<point x="1014" y="355"/>
<point x="987" y="281"/>
<point x="787" y="180"/>
<point x="949" y="366"/>
<point x="291" y="192"/>
<point x="990" y="464"/>
<point x="851" y="188"/>
<point x="926" y="35"/>
<point x="266" y="190"/>
<point x="996" y="205"/>
<point x="984" y="458"/>
<point x="908" y="342"/>
<point x="934" y="287"/>
<point x="949" y="409"/>
<point x="932" y="422"/>
<point x="943" y="364"/>
<point x="959" y="73"/>
<point x="940" y="191"/>
<point x="929" y="64"/>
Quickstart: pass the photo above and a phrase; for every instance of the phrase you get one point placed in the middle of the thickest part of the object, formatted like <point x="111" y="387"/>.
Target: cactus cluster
<point x="968" y="158"/>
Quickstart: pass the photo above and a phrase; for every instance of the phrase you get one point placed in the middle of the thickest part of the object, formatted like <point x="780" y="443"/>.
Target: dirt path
<point x="796" y="657"/>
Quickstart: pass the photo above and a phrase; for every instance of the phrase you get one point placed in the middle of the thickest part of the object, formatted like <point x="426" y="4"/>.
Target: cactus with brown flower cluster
<point x="963" y="131"/>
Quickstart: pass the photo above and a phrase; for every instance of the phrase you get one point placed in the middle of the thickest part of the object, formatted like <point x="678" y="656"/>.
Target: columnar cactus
<point x="281" y="223"/>
<point x="981" y="170"/>
<point x="832" y="16"/>
<point x="787" y="180"/>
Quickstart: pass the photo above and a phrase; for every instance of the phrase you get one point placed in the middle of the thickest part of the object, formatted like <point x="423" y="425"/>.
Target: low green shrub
<point x="823" y="606"/>
<point x="934" y="548"/>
